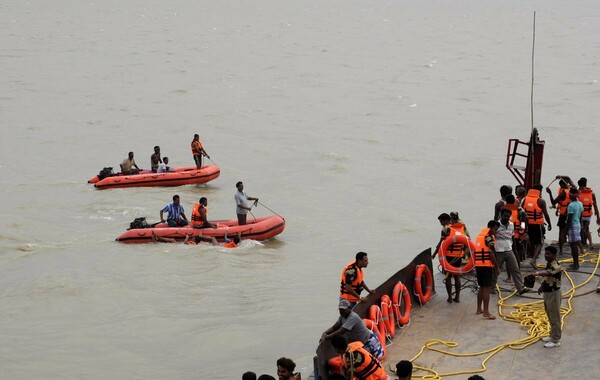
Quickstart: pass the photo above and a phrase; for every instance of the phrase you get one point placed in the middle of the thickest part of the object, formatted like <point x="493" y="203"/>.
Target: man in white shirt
<point x="504" y="250"/>
<point x="241" y="201"/>
<point x="162" y="167"/>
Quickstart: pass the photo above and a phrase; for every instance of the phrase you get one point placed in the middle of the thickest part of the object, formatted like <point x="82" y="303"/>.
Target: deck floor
<point x="457" y="322"/>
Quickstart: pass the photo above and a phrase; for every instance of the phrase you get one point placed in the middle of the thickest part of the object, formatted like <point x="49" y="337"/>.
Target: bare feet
<point x="457" y="300"/>
<point x="489" y="316"/>
<point x="479" y="311"/>
<point x="509" y="280"/>
<point x="449" y="300"/>
<point x="533" y="264"/>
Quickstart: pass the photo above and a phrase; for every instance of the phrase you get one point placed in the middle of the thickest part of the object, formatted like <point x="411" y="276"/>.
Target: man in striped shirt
<point x="176" y="216"/>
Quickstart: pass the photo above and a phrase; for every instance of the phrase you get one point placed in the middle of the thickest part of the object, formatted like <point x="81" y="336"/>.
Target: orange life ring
<point x="388" y="316"/>
<point x="461" y="239"/>
<point x="401" y="319"/>
<point x="423" y="296"/>
<point x="375" y="316"/>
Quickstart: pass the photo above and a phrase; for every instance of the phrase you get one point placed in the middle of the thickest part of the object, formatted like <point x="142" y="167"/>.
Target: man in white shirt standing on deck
<point x="241" y="200"/>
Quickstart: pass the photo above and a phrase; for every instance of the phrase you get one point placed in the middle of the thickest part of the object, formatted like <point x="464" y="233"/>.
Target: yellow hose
<point x="530" y="315"/>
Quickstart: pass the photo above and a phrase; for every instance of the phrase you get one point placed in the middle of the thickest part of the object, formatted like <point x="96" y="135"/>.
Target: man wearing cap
<point x="352" y="326"/>
<point x="352" y="282"/>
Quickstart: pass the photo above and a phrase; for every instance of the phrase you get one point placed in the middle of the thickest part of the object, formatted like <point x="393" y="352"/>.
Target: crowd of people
<point x="515" y="234"/>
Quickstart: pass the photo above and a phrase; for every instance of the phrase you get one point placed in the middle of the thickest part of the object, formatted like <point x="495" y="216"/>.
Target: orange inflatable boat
<point x="256" y="229"/>
<point x="185" y="175"/>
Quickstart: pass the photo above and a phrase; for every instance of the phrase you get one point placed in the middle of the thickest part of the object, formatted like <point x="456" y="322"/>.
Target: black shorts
<point x="535" y="233"/>
<point x="562" y="221"/>
<point x="485" y="276"/>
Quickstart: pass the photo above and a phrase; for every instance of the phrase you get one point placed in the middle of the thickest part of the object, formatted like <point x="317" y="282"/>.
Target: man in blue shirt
<point x="176" y="216"/>
<point x="574" y="211"/>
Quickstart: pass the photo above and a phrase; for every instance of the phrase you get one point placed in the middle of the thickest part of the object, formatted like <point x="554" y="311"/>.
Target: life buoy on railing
<point x="371" y="325"/>
<point x="457" y="239"/>
<point x="401" y="319"/>
<point x="387" y="314"/>
<point x="423" y="292"/>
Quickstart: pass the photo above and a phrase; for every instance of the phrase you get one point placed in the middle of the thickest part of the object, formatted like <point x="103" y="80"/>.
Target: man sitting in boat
<point x="162" y="167"/>
<point x="155" y="159"/>
<point x="128" y="166"/>
<point x="359" y="363"/>
<point x="200" y="215"/>
<point x="354" y="329"/>
<point x="176" y="213"/>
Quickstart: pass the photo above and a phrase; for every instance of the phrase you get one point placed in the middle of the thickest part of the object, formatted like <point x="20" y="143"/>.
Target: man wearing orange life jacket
<point x="198" y="151"/>
<point x="590" y="206"/>
<point x="200" y="215"/>
<point x="518" y="217"/>
<point x="232" y="243"/>
<point x="561" y="202"/>
<point x="504" y="191"/>
<point x="358" y="362"/>
<point x="352" y="281"/>
<point x="455" y="253"/>
<point x="536" y="210"/>
<point x="485" y="267"/>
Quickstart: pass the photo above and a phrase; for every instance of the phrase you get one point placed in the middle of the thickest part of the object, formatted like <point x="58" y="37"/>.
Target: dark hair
<point x="203" y="199"/>
<point x="505" y="210"/>
<point x="236" y="239"/>
<point x="444" y="216"/>
<point x="360" y="255"/>
<point x="130" y="152"/>
<point x="238" y="184"/>
<point x="551" y="249"/>
<point x="404" y="368"/>
<point x="198" y="239"/>
<point x="573" y="191"/>
<point x="520" y="190"/>
<point x="196" y="135"/>
<point x="286" y="363"/>
<point x="175" y="196"/>
<point x="249" y="376"/>
<point x="505" y="190"/>
<point x="475" y="377"/>
<point x="266" y="377"/>
<point x="336" y="376"/>
<point x="493" y="223"/>
<point x="510" y="199"/>
<point x="582" y="181"/>
<point x="156" y="147"/>
<point x="536" y="187"/>
<point x="339" y="341"/>
<point x="165" y="158"/>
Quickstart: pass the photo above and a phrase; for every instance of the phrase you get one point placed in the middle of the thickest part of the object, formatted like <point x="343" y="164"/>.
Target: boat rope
<point x="530" y="315"/>
<point x="260" y="203"/>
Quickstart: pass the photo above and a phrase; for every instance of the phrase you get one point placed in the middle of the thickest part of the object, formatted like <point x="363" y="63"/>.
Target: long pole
<point x="532" y="69"/>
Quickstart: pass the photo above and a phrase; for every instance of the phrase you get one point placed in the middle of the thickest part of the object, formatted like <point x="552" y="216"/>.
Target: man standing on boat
<point x="241" y="201"/>
<point x="198" y="151"/>
<point x="574" y="211"/>
<point x="155" y="159"/>
<point x="352" y="282"/>
<point x="536" y="210"/>
<point x="561" y="202"/>
<point x="128" y="165"/>
<point x="176" y="213"/>
<point x="503" y="250"/>
<point x="590" y="207"/>
<point x="353" y="328"/>
<point x="504" y="191"/>
<point x="486" y="267"/>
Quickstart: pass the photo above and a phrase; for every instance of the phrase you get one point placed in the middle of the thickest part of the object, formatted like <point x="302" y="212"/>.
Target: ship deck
<point x="528" y="359"/>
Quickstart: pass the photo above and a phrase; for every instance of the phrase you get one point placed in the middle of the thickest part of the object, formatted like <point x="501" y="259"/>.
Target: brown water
<point x="359" y="122"/>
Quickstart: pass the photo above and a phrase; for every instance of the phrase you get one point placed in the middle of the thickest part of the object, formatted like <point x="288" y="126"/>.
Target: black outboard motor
<point x="139" y="223"/>
<point x="106" y="172"/>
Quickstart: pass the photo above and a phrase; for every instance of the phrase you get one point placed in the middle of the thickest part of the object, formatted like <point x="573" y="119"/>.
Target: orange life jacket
<point x="587" y="200"/>
<point x="356" y="284"/>
<point x="231" y="244"/>
<point x="366" y="367"/>
<point x="562" y="205"/>
<point x="514" y="218"/>
<point x="456" y="249"/>
<point x="196" y="216"/>
<point x="535" y="215"/>
<point x="482" y="252"/>
<point x="196" y="147"/>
